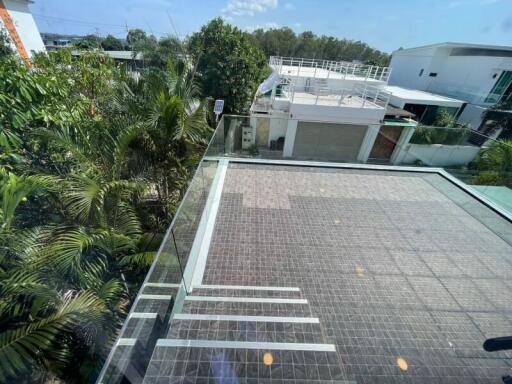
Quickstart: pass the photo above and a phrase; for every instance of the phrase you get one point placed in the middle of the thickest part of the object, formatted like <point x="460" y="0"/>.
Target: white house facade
<point x="480" y="75"/>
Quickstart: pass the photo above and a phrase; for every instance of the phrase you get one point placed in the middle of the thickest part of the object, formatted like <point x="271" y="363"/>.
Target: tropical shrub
<point x="494" y="164"/>
<point x="93" y="162"/>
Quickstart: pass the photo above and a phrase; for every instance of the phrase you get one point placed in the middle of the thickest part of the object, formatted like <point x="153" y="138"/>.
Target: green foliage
<point x="444" y="130"/>
<point x="93" y="162"/>
<point x="229" y="64"/>
<point x="445" y="119"/>
<point x="495" y="164"/>
<point x="136" y="36"/>
<point x="88" y="42"/>
<point x="284" y="42"/>
<point x="439" y="135"/>
<point x="156" y="53"/>
<point x="5" y="44"/>
<point x="111" y="43"/>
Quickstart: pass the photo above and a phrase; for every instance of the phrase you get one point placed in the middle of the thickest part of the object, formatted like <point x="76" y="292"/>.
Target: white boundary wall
<point x="437" y="155"/>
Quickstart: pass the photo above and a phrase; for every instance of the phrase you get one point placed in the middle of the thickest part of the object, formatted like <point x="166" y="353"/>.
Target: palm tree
<point x="175" y="128"/>
<point x="46" y="270"/>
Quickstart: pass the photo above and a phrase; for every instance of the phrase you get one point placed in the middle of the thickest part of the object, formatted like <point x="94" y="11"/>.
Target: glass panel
<point x="499" y="88"/>
<point x="164" y="287"/>
<point x="447" y="136"/>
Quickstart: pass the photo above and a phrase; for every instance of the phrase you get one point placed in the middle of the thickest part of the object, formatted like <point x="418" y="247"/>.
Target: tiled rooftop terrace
<point x="380" y="265"/>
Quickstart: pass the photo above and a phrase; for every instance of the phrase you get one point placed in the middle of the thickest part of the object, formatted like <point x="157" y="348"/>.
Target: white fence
<point x="309" y="67"/>
<point x="359" y="96"/>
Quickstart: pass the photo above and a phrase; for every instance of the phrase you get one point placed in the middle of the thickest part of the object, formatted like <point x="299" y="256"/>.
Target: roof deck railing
<point x="359" y="96"/>
<point x="326" y="68"/>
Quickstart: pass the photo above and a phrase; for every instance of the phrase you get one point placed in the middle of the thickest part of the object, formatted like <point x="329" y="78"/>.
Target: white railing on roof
<point x="326" y="68"/>
<point x="359" y="96"/>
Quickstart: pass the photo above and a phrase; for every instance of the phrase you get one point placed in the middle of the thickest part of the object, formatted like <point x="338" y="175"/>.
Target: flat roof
<point x="455" y="45"/>
<point x="322" y="73"/>
<point x="415" y="96"/>
<point x="325" y="275"/>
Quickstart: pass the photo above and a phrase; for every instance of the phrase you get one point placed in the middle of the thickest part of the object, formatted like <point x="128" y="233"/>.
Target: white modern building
<point x="326" y="110"/>
<point x="480" y="75"/>
<point x="17" y="20"/>
<point x="424" y="105"/>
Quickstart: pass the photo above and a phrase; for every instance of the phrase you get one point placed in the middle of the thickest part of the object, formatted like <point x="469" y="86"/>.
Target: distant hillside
<point x="284" y="42"/>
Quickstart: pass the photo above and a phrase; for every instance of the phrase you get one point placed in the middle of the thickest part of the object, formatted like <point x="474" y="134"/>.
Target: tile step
<point x="204" y="361"/>
<point x="246" y="331"/>
<point x="246" y="308"/>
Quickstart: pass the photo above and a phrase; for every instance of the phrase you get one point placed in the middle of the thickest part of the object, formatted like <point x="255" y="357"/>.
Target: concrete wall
<point x="25" y="25"/>
<point x="336" y="114"/>
<point x="277" y="129"/>
<point x="436" y="155"/>
<point x="405" y="70"/>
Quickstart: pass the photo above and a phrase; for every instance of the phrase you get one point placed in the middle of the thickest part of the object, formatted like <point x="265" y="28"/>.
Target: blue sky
<point x="384" y="24"/>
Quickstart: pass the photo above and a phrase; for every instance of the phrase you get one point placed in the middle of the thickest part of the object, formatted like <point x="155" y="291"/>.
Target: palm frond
<point x="125" y="221"/>
<point x="85" y="197"/>
<point x="138" y="260"/>
<point x="111" y="292"/>
<point x="77" y="253"/>
<point x="73" y="142"/>
<point x="9" y="140"/>
<point x="14" y="189"/>
<point x="22" y="348"/>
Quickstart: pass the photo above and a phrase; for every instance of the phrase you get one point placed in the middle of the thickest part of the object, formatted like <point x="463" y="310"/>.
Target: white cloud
<point x="266" y="26"/>
<point x="289" y="6"/>
<point x="248" y="7"/>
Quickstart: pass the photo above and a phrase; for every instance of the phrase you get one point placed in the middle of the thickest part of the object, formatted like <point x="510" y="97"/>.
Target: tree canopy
<point x="112" y="43"/>
<point x="285" y="42"/>
<point x="88" y="42"/>
<point x="230" y="66"/>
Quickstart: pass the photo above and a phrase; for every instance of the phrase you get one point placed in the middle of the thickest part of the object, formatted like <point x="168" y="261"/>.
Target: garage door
<point x="333" y="142"/>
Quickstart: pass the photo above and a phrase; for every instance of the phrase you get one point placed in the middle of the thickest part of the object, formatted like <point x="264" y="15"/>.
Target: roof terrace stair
<point x="321" y="87"/>
<point x="245" y="334"/>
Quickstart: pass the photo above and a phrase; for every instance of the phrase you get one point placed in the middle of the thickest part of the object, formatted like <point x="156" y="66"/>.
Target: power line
<point x="92" y="24"/>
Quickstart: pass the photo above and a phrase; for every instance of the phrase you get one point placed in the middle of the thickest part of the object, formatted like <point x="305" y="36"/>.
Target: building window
<point x="421" y="72"/>
<point x="432" y="74"/>
<point x="502" y="88"/>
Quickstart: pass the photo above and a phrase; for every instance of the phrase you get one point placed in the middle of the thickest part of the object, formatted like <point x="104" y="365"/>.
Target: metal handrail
<point x="370" y="96"/>
<point x="373" y="72"/>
